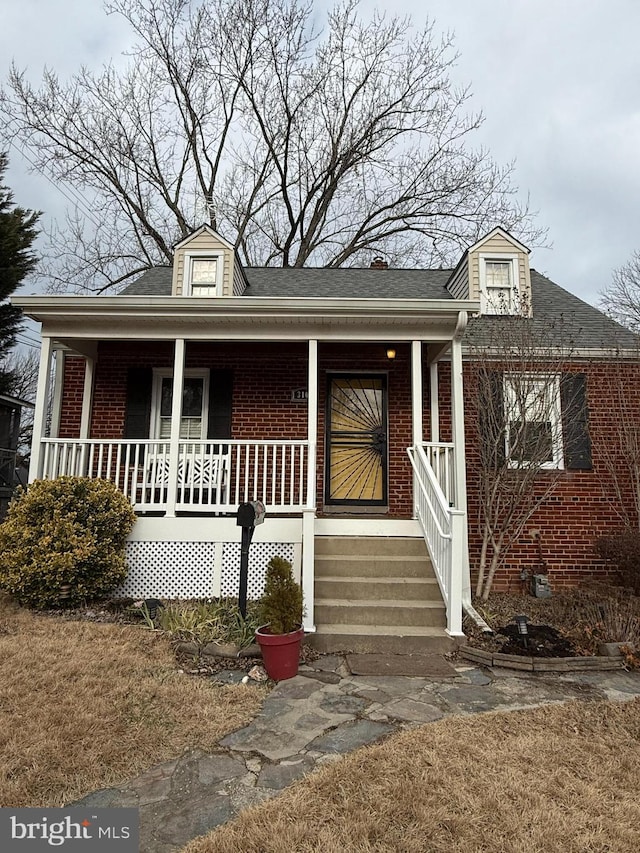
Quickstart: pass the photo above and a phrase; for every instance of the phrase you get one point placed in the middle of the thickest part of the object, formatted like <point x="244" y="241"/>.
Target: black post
<point x="247" y="535"/>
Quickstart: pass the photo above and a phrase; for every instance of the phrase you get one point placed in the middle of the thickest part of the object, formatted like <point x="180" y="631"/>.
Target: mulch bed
<point x="541" y="641"/>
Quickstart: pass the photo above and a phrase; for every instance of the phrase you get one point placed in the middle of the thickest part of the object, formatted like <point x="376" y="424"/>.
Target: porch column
<point x="416" y="392"/>
<point x="87" y="396"/>
<point x="56" y="402"/>
<point x="434" y="410"/>
<point x="176" y="416"/>
<point x="40" y="412"/>
<point x="309" y="514"/>
<point x="460" y="552"/>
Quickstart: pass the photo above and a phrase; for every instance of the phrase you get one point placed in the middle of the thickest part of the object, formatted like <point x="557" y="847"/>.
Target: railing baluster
<point x="274" y="471"/>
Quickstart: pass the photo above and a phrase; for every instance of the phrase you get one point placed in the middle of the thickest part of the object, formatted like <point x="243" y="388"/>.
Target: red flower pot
<point x="280" y="652"/>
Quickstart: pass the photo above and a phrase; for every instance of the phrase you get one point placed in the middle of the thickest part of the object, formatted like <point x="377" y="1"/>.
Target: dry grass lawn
<point x="561" y="778"/>
<point x="86" y="705"/>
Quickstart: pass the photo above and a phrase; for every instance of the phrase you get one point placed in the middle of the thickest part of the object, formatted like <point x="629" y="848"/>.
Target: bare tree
<point x="301" y="147"/>
<point x="531" y="424"/>
<point x="621" y="300"/>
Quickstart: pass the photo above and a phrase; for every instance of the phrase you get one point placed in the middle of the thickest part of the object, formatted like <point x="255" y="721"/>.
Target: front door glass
<point x="357" y="440"/>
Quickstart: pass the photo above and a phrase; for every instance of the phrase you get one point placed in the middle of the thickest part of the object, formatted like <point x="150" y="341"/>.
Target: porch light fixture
<point x="391" y="353"/>
<point x="523" y="631"/>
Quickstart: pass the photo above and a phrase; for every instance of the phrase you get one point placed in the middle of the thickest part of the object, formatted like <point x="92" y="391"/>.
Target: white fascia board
<point x="254" y="308"/>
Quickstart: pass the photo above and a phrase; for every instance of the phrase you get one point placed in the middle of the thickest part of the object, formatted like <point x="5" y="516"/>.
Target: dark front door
<point x="356" y="441"/>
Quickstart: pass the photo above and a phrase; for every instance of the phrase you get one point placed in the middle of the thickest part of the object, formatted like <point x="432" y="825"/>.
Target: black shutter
<point x="491" y="421"/>
<point x="575" y="422"/>
<point x="137" y="419"/>
<point x="220" y="396"/>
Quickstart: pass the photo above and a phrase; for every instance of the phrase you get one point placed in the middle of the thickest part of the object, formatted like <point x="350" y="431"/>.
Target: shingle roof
<point x="560" y="318"/>
<point x="584" y="326"/>
<point x="312" y="281"/>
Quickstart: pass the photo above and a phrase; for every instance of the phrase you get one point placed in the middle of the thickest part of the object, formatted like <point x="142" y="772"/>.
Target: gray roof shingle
<point x="579" y="323"/>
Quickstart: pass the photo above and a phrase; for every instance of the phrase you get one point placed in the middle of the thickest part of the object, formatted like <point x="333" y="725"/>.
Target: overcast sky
<point x="557" y="80"/>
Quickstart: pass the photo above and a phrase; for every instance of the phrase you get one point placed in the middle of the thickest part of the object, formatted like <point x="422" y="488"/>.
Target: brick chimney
<point x="379" y="263"/>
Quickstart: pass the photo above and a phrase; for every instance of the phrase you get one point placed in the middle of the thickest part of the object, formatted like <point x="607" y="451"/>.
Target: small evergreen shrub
<point x="622" y="549"/>
<point x="281" y="604"/>
<point x="68" y="532"/>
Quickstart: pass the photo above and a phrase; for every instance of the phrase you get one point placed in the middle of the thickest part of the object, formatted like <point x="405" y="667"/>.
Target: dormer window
<point x="498" y="285"/>
<point x="203" y="274"/>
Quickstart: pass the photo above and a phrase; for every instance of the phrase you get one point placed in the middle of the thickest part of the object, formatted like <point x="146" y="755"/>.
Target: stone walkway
<point x="314" y="718"/>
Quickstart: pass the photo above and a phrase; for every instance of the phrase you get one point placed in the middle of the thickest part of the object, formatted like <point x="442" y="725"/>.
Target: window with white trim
<point x="202" y="274"/>
<point x="195" y="404"/>
<point x="498" y="284"/>
<point x="533" y="421"/>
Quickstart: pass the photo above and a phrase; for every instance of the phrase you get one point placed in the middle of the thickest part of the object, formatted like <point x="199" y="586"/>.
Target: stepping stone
<point x="424" y="666"/>
<point x="350" y="736"/>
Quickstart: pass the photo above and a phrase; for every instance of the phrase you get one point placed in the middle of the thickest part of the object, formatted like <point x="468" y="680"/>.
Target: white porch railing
<point x="211" y="476"/>
<point x="443" y="529"/>
<point x="441" y="459"/>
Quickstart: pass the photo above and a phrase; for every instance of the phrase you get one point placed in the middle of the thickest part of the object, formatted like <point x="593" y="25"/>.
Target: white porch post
<point x="309" y="514"/>
<point x="460" y="552"/>
<point x="87" y="393"/>
<point x="176" y="416"/>
<point x="56" y="402"/>
<point x="416" y="392"/>
<point x="40" y="412"/>
<point x="416" y="406"/>
<point x="85" y="418"/>
<point x="434" y="404"/>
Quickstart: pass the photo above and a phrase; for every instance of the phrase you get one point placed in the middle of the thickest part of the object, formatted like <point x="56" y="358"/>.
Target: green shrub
<point x="622" y="549"/>
<point x="68" y="532"/>
<point x="281" y="604"/>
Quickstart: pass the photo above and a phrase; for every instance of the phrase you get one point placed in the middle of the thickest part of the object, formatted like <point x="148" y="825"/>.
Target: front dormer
<point x="495" y="271"/>
<point x="205" y="265"/>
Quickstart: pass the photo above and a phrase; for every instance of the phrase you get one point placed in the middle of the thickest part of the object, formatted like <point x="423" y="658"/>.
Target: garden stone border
<point x="535" y="664"/>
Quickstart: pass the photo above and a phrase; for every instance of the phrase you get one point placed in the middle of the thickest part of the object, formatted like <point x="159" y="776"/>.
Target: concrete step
<point x="348" y="565"/>
<point x="383" y="639"/>
<point x="383" y="612"/>
<point x="374" y="546"/>
<point x="414" y="589"/>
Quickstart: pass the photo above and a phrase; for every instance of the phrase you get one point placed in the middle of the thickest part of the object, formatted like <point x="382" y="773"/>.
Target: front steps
<point x="377" y="594"/>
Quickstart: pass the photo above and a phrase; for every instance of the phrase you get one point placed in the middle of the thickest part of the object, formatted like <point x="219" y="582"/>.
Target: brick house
<point x="337" y="397"/>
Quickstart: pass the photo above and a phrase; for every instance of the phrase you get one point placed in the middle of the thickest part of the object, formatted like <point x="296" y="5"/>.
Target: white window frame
<point x="486" y="304"/>
<point x="551" y="383"/>
<point x="202" y="255"/>
<point x="160" y="373"/>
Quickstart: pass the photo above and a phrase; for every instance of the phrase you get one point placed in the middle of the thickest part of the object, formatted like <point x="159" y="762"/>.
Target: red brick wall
<point x="72" y="390"/>
<point x="582" y="507"/>
<point x="559" y="540"/>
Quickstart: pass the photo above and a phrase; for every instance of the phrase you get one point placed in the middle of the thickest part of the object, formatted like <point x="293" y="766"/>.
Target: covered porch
<point x="291" y="453"/>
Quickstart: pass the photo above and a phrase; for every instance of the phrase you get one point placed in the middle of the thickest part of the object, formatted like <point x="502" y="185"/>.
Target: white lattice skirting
<point x="196" y="569"/>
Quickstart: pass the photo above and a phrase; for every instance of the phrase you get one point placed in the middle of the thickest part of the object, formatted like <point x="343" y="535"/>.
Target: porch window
<point x="194" y="404"/>
<point x="533" y="421"/>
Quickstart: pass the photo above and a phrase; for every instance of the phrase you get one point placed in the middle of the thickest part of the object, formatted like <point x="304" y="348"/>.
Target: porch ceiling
<point x="69" y="319"/>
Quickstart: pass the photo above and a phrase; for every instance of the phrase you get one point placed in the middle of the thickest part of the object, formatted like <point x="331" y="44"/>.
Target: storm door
<point x="356" y="441"/>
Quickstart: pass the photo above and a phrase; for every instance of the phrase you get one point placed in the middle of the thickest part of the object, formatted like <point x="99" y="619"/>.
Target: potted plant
<point x="281" y="636"/>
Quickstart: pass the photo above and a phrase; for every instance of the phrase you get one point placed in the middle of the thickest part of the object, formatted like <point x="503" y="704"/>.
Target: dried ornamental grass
<point x="555" y="778"/>
<point x="85" y="706"/>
